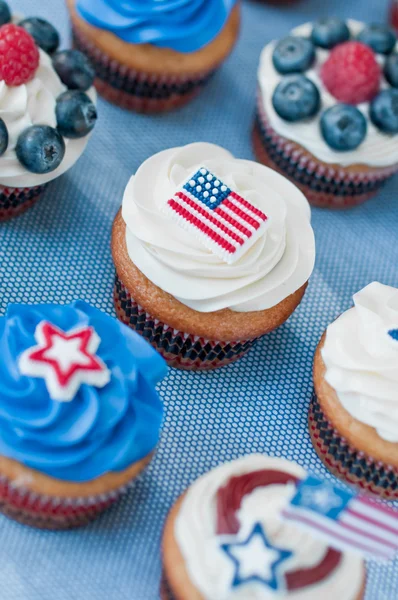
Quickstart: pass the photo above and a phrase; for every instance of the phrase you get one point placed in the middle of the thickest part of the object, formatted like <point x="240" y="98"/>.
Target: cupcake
<point x="327" y="113"/>
<point x="211" y="252"/>
<point x="154" y="56"/>
<point x="45" y="122"/>
<point x="78" y="420"/>
<point x="353" y="417"/>
<point x="225" y="538"/>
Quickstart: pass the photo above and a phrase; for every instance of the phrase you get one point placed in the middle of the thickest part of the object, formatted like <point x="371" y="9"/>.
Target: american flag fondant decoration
<point x="345" y="519"/>
<point x="227" y="224"/>
<point x="65" y="360"/>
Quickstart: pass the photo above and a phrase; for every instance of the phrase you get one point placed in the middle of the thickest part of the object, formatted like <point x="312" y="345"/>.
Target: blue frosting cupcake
<point x="154" y="56"/>
<point x="79" y="413"/>
<point x="182" y="25"/>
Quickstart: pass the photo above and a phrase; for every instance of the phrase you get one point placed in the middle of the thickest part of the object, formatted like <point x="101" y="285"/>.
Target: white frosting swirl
<point x="209" y="568"/>
<point x="377" y="150"/>
<point x="361" y="359"/>
<point x="277" y="265"/>
<point x="30" y="104"/>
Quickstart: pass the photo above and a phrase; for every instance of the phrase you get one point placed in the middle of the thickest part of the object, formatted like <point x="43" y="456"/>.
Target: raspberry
<point x="352" y="73"/>
<point x="19" y="55"/>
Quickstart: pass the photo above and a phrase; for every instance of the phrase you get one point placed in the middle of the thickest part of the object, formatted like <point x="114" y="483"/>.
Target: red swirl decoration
<point x="229" y="500"/>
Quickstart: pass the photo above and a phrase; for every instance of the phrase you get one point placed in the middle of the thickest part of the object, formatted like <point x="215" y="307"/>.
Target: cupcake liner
<point x="324" y="186"/>
<point x="14" y="201"/>
<point x="165" y="591"/>
<point x="347" y="463"/>
<point x="179" y="349"/>
<point x="136" y="90"/>
<point x="51" y="512"/>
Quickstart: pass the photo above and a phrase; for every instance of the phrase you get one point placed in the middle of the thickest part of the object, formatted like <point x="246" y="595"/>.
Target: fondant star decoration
<point x="65" y="360"/>
<point x="393" y="333"/>
<point x="321" y="498"/>
<point x="257" y="560"/>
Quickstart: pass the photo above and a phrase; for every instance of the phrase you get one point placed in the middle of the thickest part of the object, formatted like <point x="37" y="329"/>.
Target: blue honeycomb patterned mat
<point x="59" y="251"/>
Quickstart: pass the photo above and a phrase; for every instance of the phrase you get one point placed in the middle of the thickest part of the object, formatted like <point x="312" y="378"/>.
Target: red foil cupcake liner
<point x="179" y="349"/>
<point x="136" y="90"/>
<point x="324" y="186"/>
<point x="49" y="512"/>
<point x="14" y="201"/>
<point x="394" y="14"/>
<point x="348" y="463"/>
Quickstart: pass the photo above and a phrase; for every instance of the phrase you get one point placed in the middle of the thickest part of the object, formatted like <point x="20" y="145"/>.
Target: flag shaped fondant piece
<point x="346" y="520"/>
<point x="227" y="224"/>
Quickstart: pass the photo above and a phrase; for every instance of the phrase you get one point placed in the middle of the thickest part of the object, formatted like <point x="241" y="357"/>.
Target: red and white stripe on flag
<point x="345" y="520"/>
<point x="226" y="224"/>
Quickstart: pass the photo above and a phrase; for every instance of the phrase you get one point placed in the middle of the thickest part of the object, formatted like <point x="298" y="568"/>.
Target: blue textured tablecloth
<point x="59" y="251"/>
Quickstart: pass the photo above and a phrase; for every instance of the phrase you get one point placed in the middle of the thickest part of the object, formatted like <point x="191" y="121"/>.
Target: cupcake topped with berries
<point x="47" y="109"/>
<point x="327" y="109"/>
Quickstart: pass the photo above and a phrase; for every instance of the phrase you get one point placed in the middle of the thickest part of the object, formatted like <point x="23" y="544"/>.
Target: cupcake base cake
<point x="351" y="417"/>
<point x="345" y="461"/>
<point x="144" y="77"/>
<point x="34" y="499"/>
<point x="186" y="338"/>
<point x="351" y="450"/>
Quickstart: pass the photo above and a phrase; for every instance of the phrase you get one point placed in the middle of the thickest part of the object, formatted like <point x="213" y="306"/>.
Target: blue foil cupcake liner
<point x="179" y="349"/>
<point x="348" y="463"/>
<point x="14" y="201"/>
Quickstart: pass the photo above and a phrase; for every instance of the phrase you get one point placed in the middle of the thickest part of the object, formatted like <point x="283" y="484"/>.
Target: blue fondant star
<point x="256" y="559"/>
<point x="393" y="333"/>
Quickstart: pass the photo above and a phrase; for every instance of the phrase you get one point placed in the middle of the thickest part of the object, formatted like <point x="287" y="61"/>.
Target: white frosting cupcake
<point x="243" y="494"/>
<point x="361" y="358"/>
<point x="377" y="150"/>
<point x="34" y="103"/>
<point x="275" y="266"/>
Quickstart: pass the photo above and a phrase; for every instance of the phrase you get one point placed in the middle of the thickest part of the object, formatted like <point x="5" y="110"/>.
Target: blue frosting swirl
<point x="101" y="429"/>
<point x="183" y="25"/>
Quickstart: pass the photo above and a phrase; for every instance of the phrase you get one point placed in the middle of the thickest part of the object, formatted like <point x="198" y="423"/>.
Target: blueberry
<point x="40" y="149"/>
<point x="391" y="69"/>
<point x="3" y="137"/>
<point x="384" y="111"/>
<point x="380" y="38"/>
<point x="296" y="97"/>
<point x="343" y="127"/>
<point x="329" y="32"/>
<point x="74" y="69"/>
<point x="293" y="55"/>
<point x="76" y="114"/>
<point x="44" y="34"/>
<point x="5" y="13"/>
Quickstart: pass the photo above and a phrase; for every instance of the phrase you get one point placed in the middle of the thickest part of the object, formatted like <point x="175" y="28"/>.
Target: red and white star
<point x="65" y="360"/>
